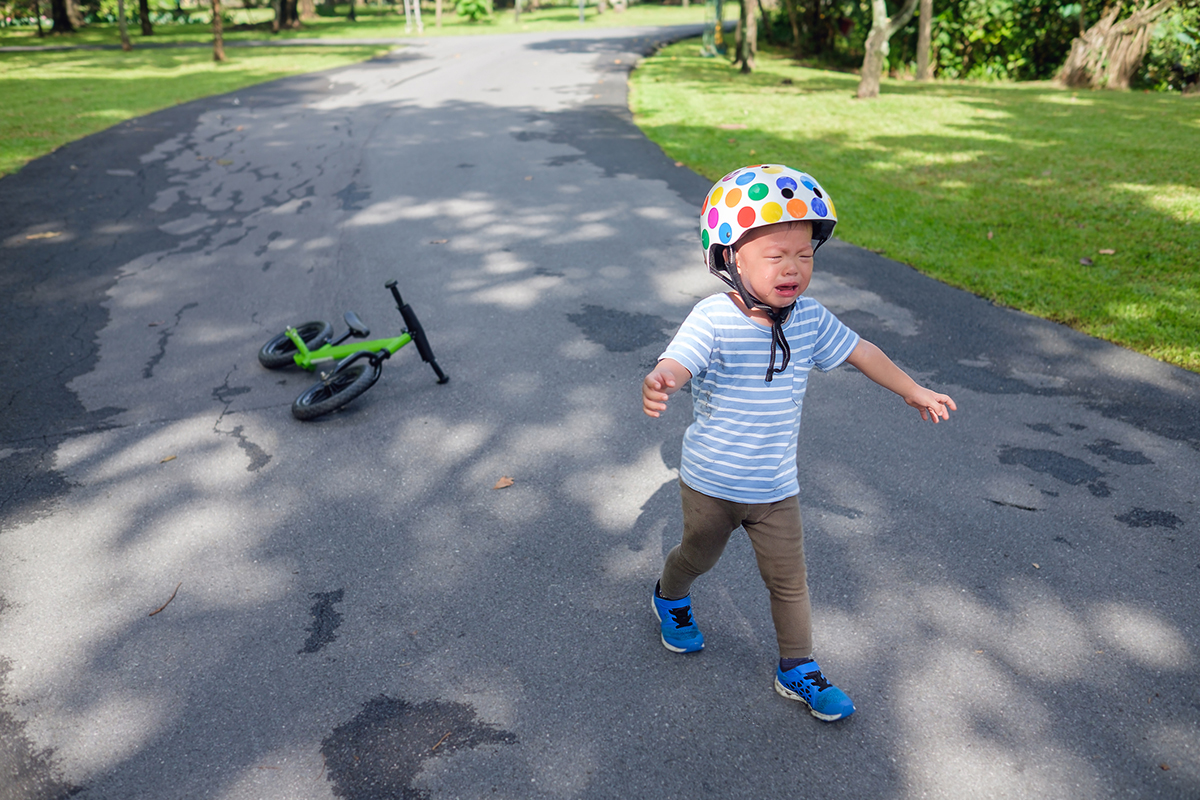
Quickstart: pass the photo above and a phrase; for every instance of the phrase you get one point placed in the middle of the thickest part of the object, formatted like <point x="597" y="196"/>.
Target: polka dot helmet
<point x="759" y="195"/>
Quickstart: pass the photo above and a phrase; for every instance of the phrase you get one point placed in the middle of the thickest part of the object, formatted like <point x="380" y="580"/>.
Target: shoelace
<point x="818" y="680"/>
<point x="682" y="616"/>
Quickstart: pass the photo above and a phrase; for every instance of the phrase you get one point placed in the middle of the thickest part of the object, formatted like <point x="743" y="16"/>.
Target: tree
<point x="924" y="39"/>
<point x="745" y="46"/>
<point x="144" y="15"/>
<point x="122" y="27"/>
<point x="65" y="16"/>
<point x="218" y="32"/>
<point x="883" y="28"/>
<point x="1108" y="54"/>
<point x="790" y="5"/>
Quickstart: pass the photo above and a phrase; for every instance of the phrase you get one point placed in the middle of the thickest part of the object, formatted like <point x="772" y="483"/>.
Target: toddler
<point x="747" y="354"/>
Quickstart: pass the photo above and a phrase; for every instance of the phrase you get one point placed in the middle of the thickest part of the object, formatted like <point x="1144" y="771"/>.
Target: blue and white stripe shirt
<point x="742" y="445"/>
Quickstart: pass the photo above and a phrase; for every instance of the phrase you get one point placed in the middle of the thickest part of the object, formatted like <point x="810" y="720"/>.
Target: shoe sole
<point x="790" y="695"/>
<point x="663" y="639"/>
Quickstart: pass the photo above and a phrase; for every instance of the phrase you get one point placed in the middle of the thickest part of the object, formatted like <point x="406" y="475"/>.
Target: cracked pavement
<point x="360" y="614"/>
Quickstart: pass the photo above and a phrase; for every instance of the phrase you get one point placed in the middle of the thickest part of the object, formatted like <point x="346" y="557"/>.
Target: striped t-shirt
<point x="742" y="446"/>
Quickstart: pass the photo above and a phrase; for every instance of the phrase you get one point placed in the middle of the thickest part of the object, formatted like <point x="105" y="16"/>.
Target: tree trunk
<point x="750" y="39"/>
<point x="37" y="15"/>
<point x="745" y="46"/>
<point x="517" y="12"/>
<point x="438" y="12"/>
<point x="351" y="15"/>
<point x="144" y="17"/>
<point x="218" y="32"/>
<point x="790" y="5"/>
<point x="766" y="21"/>
<point x="883" y="28"/>
<point x="122" y="27"/>
<point x="61" y="17"/>
<point x="1108" y="54"/>
<point x="308" y="10"/>
<point x="924" y="40"/>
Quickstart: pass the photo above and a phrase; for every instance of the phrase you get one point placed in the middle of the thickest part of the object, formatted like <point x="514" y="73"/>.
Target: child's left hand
<point x="931" y="404"/>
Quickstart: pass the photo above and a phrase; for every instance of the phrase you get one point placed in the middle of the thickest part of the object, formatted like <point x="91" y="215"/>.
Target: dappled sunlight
<point x="616" y="495"/>
<point x="1142" y="636"/>
<point x="1180" y="202"/>
<point x="367" y="554"/>
<point x="974" y="740"/>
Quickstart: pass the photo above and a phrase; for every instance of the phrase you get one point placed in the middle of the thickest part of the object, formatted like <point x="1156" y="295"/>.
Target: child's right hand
<point x="656" y="388"/>
<point x="667" y="377"/>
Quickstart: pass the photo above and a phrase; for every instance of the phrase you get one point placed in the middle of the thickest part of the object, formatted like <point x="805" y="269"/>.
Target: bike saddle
<point x="356" y="325"/>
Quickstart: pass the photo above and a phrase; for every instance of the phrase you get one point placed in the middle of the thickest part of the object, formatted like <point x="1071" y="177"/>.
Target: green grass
<point x="54" y="98"/>
<point x="374" y="22"/>
<point x="927" y="171"/>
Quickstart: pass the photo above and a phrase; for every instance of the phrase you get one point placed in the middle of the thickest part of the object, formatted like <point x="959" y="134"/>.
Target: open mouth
<point x="787" y="289"/>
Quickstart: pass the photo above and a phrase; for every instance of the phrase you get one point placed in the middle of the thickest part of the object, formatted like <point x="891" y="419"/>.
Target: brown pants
<point x="777" y="535"/>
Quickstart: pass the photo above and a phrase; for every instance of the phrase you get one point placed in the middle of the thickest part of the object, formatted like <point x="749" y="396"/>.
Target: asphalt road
<point x="355" y="612"/>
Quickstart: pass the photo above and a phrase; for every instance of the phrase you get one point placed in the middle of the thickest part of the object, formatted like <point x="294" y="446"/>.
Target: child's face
<point x="776" y="262"/>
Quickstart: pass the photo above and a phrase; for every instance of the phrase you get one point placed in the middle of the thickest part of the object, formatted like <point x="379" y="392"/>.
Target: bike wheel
<point x="339" y="389"/>
<point x="281" y="351"/>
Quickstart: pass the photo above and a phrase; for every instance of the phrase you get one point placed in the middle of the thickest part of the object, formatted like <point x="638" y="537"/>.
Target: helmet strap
<point x="777" y="316"/>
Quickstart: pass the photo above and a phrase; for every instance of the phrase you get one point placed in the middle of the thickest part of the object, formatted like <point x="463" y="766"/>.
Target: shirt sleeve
<point x="835" y="342"/>
<point x="693" y="345"/>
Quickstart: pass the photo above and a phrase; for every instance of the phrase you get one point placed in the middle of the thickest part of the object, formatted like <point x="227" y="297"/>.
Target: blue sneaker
<point x="679" y="631"/>
<point x="806" y="684"/>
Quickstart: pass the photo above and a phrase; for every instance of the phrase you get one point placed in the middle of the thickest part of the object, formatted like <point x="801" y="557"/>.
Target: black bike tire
<point x="281" y="351"/>
<point x="340" y="389"/>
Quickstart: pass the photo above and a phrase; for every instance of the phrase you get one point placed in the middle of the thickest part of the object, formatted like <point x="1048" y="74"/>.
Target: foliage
<point x="928" y="171"/>
<point x="988" y="39"/>
<point x="475" y="10"/>
<point x="1173" y="60"/>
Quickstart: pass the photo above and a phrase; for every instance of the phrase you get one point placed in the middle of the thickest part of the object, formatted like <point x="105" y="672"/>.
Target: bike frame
<point x="309" y="359"/>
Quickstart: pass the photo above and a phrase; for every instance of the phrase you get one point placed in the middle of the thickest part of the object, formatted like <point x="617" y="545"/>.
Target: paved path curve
<point x="1011" y="598"/>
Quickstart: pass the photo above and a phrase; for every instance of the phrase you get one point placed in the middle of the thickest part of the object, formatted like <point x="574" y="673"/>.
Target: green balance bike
<point x="356" y="365"/>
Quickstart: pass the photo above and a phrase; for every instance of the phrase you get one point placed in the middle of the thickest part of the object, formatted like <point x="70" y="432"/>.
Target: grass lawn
<point x="54" y="98"/>
<point x="374" y="22"/>
<point x="1015" y="192"/>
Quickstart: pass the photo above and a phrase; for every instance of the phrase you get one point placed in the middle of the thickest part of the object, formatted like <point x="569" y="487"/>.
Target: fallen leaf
<point x="732" y="141"/>
<point x="752" y="152"/>
<point x="1164" y="767"/>
<point x="977" y="652"/>
<point x="503" y="483"/>
<point x="168" y="458"/>
<point x="990" y="235"/>
<point x="732" y="126"/>
<point x="438" y="241"/>
<point x="1107" y="252"/>
<point x="1087" y="262"/>
<point x="224" y="162"/>
<point x="528" y="177"/>
<point x="616" y="61"/>
<point x="46" y="235"/>
<point x="1036" y="565"/>
<point x="679" y="163"/>
<point x="240" y="128"/>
